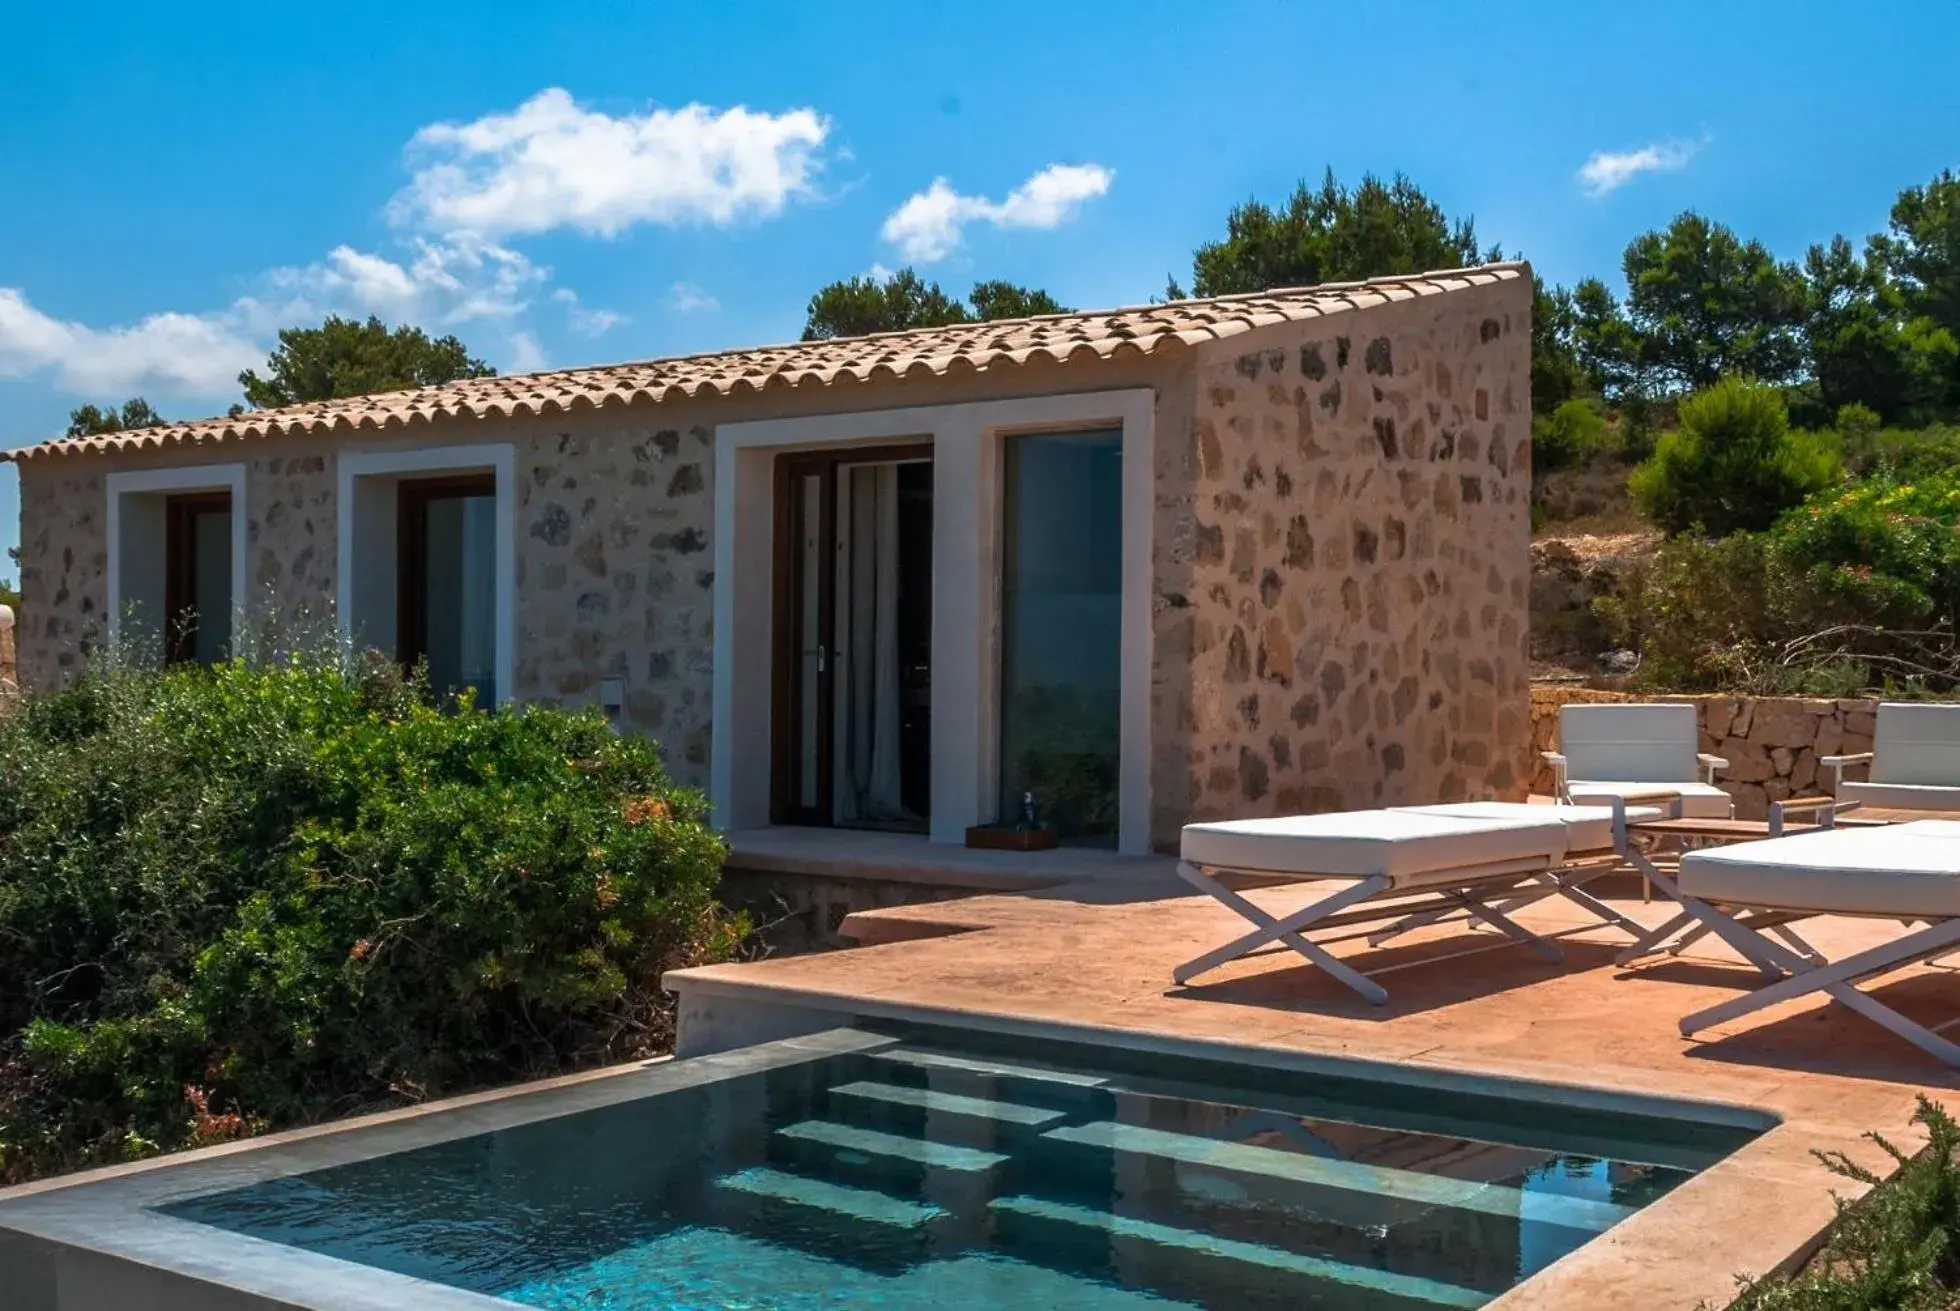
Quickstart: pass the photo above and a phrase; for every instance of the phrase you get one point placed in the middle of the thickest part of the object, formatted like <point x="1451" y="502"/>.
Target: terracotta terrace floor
<point x="1097" y="954"/>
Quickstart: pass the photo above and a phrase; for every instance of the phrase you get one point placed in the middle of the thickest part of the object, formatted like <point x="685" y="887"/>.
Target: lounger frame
<point x="1792" y="966"/>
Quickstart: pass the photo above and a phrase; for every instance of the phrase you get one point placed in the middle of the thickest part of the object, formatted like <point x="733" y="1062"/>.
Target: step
<point x="1373" y="1180"/>
<point x="1410" y="1287"/>
<point x="943" y="1156"/>
<point x="926" y="1099"/>
<point x="856" y="1203"/>
<point x="931" y="1060"/>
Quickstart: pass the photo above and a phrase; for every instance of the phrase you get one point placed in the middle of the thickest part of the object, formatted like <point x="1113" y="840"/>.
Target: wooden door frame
<point x="180" y="513"/>
<point x="786" y="690"/>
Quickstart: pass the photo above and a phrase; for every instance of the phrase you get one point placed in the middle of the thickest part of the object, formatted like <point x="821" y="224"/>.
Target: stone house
<point x="1236" y="556"/>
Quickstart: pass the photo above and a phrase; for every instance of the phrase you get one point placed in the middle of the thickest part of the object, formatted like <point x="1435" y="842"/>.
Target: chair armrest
<point x="1838" y="764"/>
<point x="1779" y="812"/>
<point x="1709" y="764"/>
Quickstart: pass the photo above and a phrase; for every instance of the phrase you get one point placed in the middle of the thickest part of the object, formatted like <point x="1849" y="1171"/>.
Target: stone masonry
<point x="1349" y="585"/>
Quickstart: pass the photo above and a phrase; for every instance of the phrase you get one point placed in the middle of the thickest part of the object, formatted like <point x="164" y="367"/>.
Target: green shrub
<point x="1893" y="1250"/>
<point x="1867" y="447"/>
<point x="1887" y="546"/>
<point x="263" y="895"/>
<point x="1856" y="590"/>
<point x="1572" y="434"/>
<point x="1733" y="464"/>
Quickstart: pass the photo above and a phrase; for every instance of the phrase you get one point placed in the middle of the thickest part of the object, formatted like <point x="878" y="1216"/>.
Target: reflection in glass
<point x="459" y="596"/>
<point x="1061" y="637"/>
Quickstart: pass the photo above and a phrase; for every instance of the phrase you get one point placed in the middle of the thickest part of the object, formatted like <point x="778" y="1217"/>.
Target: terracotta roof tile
<point x="927" y="352"/>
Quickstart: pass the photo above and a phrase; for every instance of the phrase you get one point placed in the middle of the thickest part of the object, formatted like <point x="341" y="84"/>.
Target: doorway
<point x="853" y="605"/>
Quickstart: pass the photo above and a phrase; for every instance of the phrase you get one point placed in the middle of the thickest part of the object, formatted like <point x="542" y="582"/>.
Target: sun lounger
<point x="1914" y="760"/>
<point x="1636" y="751"/>
<point x="1749" y="893"/>
<point x="1412" y="865"/>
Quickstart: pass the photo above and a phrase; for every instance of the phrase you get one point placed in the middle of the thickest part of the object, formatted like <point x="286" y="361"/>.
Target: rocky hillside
<point x="1568" y="571"/>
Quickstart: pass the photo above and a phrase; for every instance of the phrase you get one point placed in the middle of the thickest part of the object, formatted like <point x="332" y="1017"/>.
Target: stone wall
<point x="1772" y="744"/>
<point x="64" y="567"/>
<point x="1349" y="591"/>
<point x="616" y="575"/>
<point x="292" y="534"/>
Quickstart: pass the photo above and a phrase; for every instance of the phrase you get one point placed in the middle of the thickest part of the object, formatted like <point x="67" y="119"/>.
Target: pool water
<point x="941" y="1170"/>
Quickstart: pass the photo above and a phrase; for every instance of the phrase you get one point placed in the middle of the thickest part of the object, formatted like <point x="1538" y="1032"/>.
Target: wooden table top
<point x="1800" y="821"/>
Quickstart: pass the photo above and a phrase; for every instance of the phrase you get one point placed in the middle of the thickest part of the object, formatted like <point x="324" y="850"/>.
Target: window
<point x="447" y="585"/>
<point x="176" y="575"/>
<point x="197" y="577"/>
<point x="428" y="562"/>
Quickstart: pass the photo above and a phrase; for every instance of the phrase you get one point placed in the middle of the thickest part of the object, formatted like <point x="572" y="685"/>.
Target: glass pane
<point x="210" y="532"/>
<point x="1061" y="636"/>
<point x="808" y="566"/>
<point x="460" y="596"/>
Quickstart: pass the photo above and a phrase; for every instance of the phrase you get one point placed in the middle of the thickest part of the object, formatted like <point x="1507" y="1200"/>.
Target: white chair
<point x="1914" y="760"/>
<point x="1636" y="751"/>
<point x="1750" y="891"/>
<point x="1414" y="865"/>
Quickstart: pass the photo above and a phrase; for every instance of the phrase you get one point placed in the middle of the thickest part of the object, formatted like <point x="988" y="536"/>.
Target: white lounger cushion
<point x="1587" y="829"/>
<point x="1402" y="844"/>
<point x="1698" y="800"/>
<point x="1904" y="870"/>
<point x="1901" y="796"/>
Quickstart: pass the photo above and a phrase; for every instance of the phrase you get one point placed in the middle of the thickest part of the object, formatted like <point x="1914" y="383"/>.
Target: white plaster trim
<point x="179" y="478"/>
<point x="501" y="459"/>
<point x="966" y="442"/>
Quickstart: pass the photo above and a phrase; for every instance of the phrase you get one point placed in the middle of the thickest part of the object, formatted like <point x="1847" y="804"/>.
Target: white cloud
<point x="446" y="280"/>
<point x="690" y="299"/>
<point x="584" y="321"/>
<point x="526" y="355"/>
<point x="182" y="354"/>
<point x="1607" y="170"/>
<point x="930" y="224"/>
<point x="551" y="164"/>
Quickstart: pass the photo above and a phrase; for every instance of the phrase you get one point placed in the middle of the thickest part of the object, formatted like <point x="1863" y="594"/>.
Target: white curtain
<point x="870" y="624"/>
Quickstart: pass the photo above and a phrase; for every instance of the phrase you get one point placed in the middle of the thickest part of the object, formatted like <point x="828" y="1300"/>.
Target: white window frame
<point x="967" y="441"/>
<point x="172" y="481"/>
<point x="393" y="465"/>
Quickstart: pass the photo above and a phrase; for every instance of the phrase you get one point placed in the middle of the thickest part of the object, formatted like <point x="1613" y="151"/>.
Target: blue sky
<point x="596" y="182"/>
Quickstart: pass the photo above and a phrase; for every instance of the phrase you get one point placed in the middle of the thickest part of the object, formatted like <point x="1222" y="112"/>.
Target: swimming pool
<point x="916" y="1168"/>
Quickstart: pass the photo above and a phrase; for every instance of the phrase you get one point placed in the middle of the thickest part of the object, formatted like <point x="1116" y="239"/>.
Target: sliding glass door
<point x="1061" y="631"/>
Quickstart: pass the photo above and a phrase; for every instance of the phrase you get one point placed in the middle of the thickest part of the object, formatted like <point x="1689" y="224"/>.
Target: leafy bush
<point x="1893" y="1250"/>
<point x="1572" y="434"/>
<point x="1733" y="464"/>
<point x="262" y="895"/>
<point x="1719" y="616"/>
<point x="1890" y="547"/>
<point x="1859" y="589"/>
<point x="1867" y="447"/>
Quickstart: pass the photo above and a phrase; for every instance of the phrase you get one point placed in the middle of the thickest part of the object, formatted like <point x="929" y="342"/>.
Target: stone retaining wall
<point x="1772" y="744"/>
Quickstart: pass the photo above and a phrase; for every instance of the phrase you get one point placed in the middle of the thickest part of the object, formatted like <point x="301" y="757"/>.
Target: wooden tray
<point x="999" y="837"/>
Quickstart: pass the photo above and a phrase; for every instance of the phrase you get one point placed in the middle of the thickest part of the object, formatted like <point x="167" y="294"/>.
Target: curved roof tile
<point x="926" y="352"/>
